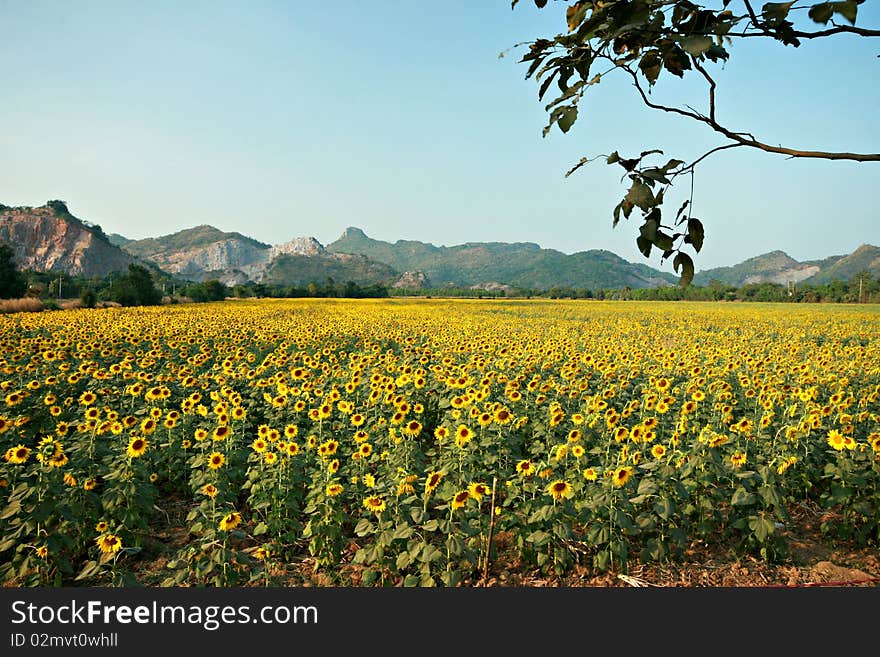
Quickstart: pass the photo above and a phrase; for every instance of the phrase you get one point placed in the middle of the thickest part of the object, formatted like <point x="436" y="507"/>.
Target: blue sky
<point x="283" y="119"/>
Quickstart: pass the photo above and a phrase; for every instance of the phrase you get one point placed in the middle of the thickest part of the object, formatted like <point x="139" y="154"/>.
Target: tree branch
<point x="751" y="141"/>
<point x="693" y="164"/>
<point x="837" y="29"/>
<point x="711" y="82"/>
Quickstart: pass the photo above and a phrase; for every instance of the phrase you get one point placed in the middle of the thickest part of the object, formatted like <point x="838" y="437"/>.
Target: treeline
<point x="142" y="287"/>
<point x="863" y="288"/>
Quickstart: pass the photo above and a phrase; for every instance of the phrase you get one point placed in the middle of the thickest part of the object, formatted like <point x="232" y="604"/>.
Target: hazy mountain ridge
<point x="521" y="264"/>
<point x="780" y="268"/>
<point x="50" y="238"/>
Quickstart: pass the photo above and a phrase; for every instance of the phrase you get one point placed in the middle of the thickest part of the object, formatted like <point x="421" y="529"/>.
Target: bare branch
<point x="752" y="142"/>
<point x="711" y="82"/>
<point x="690" y="167"/>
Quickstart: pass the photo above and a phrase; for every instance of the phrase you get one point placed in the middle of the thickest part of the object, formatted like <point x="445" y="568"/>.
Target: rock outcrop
<point x="49" y="238"/>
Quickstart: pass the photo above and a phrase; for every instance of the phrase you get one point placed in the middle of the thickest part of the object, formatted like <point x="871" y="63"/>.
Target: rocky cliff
<point x="49" y="238"/>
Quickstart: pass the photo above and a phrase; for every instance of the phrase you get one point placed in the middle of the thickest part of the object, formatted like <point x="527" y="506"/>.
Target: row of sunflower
<point x="392" y="437"/>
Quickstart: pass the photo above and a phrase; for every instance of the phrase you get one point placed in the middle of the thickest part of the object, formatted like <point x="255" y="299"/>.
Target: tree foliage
<point x="647" y="40"/>
<point x="134" y="289"/>
<point x="12" y="283"/>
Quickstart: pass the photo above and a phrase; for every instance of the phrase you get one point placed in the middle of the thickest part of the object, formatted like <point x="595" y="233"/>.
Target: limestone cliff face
<point x="307" y="246"/>
<point x="412" y="280"/>
<point x="49" y="238"/>
<point x="226" y="254"/>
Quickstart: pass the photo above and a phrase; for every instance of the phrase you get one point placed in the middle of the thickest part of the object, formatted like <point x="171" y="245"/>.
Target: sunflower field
<point x="400" y="436"/>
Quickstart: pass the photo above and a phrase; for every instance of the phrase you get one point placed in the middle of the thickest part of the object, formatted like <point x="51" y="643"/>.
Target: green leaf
<point x="696" y="45"/>
<point x="364" y="527"/>
<point x="695" y="233"/>
<point x="640" y="195"/>
<point x="676" y="61"/>
<point x="644" y="246"/>
<point x="663" y="241"/>
<point x="848" y="9"/>
<point x="568" y="117"/>
<point x="538" y="537"/>
<point x="651" y="65"/>
<point x="403" y="531"/>
<point x="776" y="12"/>
<point x="822" y="12"/>
<point x="741" y="497"/>
<point x="683" y="261"/>
<point x="762" y="527"/>
<point x="261" y="528"/>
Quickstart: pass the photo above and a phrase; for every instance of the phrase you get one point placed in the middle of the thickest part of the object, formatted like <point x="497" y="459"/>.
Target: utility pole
<point x="59" y="287"/>
<point x="861" y="287"/>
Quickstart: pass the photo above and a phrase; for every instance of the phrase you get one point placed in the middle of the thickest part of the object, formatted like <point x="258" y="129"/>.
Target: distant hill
<point x="50" y="238"/>
<point x="864" y="258"/>
<point x="778" y="267"/>
<point x="192" y="252"/>
<point x="300" y="270"/>
<point x="205" y="252"/>
<point x="520" y="264"/>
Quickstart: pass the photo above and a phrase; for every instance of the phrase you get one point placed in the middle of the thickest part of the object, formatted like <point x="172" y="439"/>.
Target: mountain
<point x="194" y="252"/>
<point x="204" y="252"/>
<point x="779" y="267"/>
<point x="50" y="238"/>
<point x="773" y="267"/>
<point x="300" y="270"/>
<point x="521" y="264"/>
<point x="864" y="258"/>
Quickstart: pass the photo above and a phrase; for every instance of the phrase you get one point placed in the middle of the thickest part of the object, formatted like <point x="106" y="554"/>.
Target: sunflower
<point x="365" y="450"/>
<point x="42" y="552"/>
<point x="460" y="499"/>
<point x="137" y="446"/>
<point x="658" y="451"/>
<point x="333" y="466"/>
<point x="590" y="474"/>
<point x="270" y="458"/>
<point x="622" y="475"/>
<point x="220" y="433"/>
<point x="375" y="504"/>
<point x="332" y="490"/>
<point x="463" y="436"/>
<point x="216" y="460"/>
<point x="525" y="468"/>
<point x="292" y="449"/>
<point x="109" y="543"/>
<point x="441" y="433"/>
<point x="478" y="491"/>
<point x="69" y="479"/>
<point x="328" y="448"/>
<point x="413" y="428"/>
<point x="90" y="483"/>
<point x="17" y="454"/>
<point x="738" y="459"/>
<point x="230" y="521"/>
<point x="560" y="490"/>
<point x="259" y="445"/>
<point x="291" y="431"/>
<point x="836" y="440"/>
<point x="210" y="490"/>
<point x="577" y="451"/>
<point x="432" y="481"/>
<point x="87" y="398"/>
